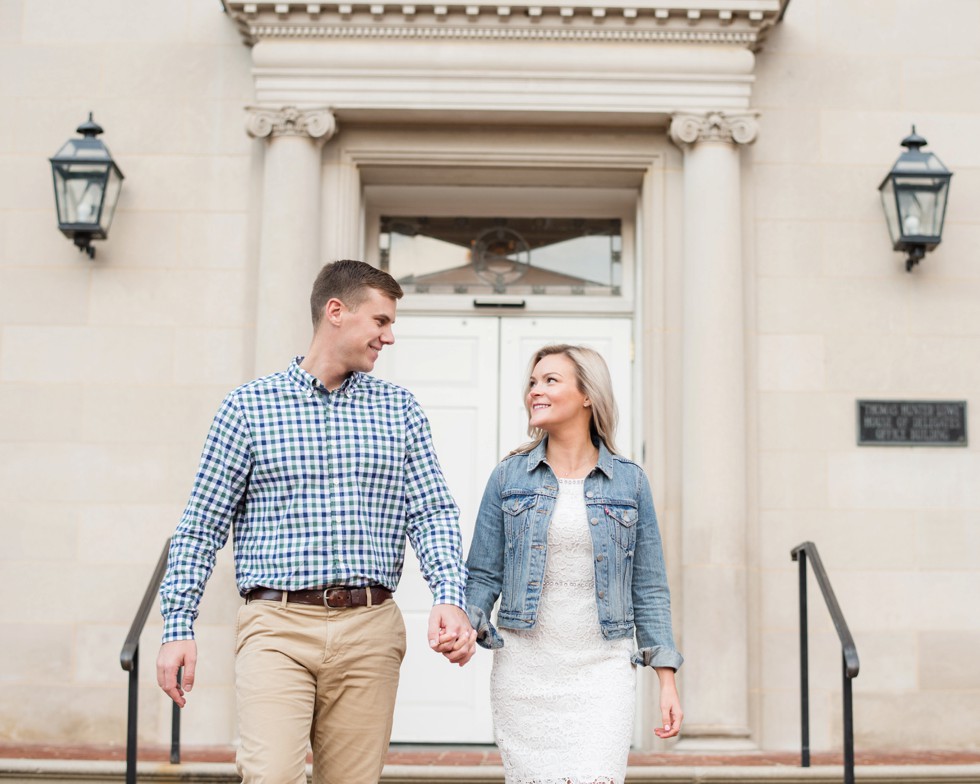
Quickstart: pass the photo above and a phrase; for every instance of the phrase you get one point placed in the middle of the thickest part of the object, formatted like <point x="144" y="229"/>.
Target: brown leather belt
<point x="331" y="596"/>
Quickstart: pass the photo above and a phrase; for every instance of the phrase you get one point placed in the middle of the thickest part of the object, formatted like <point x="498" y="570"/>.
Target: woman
<point x="567" y="537"/>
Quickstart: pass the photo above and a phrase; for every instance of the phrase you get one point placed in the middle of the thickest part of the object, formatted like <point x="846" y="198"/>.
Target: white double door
<point x="468" y="373"/>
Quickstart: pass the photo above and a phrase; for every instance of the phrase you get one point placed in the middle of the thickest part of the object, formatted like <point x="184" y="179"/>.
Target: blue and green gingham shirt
<point x="319" y="488"/>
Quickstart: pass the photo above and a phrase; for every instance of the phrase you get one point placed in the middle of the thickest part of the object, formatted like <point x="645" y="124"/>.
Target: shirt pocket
<point x="621" y="519"/>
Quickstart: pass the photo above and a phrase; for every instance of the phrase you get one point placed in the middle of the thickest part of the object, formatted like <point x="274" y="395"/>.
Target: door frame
<point x="639" y="158"/>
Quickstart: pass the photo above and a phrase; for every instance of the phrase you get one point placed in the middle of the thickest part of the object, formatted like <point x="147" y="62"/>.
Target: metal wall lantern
<point x="86" y="187"/>
<point x="914" y="195"/>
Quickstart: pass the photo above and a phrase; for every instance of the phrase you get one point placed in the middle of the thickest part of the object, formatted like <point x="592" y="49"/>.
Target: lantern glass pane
<point x="917" y="162"/>
<point x="890" y="205"/>
<point x="79" y="190"/>
<point x="111" y="198"/>
<point x="83" y="150"/>
<point x="922" y="205"/>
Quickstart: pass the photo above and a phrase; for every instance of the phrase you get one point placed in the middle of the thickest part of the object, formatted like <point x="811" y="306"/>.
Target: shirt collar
<point x="309" y="382"/>
<point x="536" y="457"/>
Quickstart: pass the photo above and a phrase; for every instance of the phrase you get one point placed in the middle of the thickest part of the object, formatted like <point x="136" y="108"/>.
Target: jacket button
<point x="594" y="521"/>
<point x="598" y="557"/>
<point x="602" y="594"/>
<point x="589" y="494"/>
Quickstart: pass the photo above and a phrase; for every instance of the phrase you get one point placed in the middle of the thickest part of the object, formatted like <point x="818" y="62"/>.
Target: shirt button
<point x="594" y="521"/>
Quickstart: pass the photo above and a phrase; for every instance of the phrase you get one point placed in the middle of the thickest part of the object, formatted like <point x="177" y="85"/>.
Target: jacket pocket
<point x="622" y="524"/>
<point x="517" y="511"/>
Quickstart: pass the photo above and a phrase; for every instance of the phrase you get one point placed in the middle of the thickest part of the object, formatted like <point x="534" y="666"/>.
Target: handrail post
<point x="134" y="675"/>
<point x="848" y="727"/>
<point x="804" y="667"/>
<point x="849" y="656"/>
<point x="129" y="659"/>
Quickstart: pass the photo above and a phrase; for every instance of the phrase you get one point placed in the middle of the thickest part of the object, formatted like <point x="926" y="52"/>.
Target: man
<point x="320" y="472"/>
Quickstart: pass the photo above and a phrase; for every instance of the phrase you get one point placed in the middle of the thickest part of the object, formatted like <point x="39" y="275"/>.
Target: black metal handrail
<point x="849" y="656"/>
<point x="129" y="658"/>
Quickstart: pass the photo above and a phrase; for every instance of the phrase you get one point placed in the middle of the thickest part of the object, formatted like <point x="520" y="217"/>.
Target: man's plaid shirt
<point x="319" y="488"/>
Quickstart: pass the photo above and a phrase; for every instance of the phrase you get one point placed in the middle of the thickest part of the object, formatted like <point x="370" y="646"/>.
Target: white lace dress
<point x="563" y="696"/>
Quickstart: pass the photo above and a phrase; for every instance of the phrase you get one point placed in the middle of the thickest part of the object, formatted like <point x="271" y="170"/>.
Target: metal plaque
<point x="911" y="422"/>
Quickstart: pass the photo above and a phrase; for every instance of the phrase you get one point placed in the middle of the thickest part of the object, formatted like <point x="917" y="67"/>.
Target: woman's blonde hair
<point x="593" y="381"/>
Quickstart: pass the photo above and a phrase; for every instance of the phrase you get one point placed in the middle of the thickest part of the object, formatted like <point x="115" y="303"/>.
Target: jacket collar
<point x="537" y="456"/>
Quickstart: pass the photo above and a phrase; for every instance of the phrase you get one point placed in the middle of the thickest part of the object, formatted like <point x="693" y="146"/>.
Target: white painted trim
<point x="468" y="80"/>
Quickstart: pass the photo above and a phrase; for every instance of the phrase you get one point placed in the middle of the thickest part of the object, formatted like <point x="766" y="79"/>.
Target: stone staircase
<point x="482" y="766"/>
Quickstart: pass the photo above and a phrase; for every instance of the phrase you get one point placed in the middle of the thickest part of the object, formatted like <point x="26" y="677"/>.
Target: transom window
<point x="520" y="256"/>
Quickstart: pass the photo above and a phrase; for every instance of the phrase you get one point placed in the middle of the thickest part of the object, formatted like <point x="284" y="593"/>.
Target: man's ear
<point x="333" y="310"/>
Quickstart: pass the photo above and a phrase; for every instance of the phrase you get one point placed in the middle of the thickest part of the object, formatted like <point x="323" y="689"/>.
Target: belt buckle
<point x="333" y="593"/>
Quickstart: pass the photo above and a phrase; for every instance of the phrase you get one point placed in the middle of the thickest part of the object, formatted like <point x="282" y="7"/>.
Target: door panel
<point x="450" y="365"/>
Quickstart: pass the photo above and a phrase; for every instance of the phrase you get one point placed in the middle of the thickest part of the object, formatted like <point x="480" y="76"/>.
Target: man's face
<point x="364" y="331"/>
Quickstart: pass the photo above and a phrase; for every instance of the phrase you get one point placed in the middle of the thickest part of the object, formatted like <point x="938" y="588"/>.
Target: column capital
<point x="262" y="123"/>
<point x="730" y="127"/>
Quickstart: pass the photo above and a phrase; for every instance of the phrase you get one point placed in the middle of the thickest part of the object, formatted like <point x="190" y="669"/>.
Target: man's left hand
<point x="450" y="633"/>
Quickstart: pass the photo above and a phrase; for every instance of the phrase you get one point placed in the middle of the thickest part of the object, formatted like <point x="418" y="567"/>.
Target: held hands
<point x="173" y="656"/>
<point x="450" y="633"/>
<point x="670" y="705"/>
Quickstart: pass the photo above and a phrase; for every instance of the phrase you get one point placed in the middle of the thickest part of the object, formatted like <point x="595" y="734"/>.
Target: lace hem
<point x="567" y="780"/>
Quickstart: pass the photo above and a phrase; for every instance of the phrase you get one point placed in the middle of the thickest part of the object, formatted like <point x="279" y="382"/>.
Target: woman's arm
<point x="651" y="595"/>
<point x="485" y="563"/>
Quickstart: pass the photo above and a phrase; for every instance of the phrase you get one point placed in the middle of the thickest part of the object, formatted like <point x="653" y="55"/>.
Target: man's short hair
<point x="348" y="281"/>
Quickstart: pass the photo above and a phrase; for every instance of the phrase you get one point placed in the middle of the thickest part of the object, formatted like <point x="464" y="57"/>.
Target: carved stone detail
<point x="319" y="124"/>
<point x="739" y="128"/>
<point x="686" y="21"/>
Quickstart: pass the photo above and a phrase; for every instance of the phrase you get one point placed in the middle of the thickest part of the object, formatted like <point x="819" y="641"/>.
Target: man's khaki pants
<point x="316" y="675"/>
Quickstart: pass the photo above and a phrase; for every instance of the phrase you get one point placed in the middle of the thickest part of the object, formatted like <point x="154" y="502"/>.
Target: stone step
<point x="66" y="764"/>
<point x="77" y="771"/>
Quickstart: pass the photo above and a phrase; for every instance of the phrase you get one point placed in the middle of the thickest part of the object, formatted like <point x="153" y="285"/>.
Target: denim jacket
<point x="510" y="546"/>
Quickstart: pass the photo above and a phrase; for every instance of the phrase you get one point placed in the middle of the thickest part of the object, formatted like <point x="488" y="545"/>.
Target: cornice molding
<point x="731" y="128"/>
<point x="317" y="124"/>
<point x="742" y="23"/>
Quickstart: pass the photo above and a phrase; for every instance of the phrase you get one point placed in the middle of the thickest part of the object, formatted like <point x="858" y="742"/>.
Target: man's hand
<point x="450" y="633"/>
<point x="173" y="656"/>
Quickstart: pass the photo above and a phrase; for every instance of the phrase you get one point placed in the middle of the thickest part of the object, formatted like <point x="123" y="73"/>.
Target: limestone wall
<point x="836" y="319"/>
<point x="110" y="369"/>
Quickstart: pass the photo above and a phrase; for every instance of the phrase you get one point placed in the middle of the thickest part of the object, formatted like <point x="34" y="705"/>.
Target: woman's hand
<point x="670" y="705"/>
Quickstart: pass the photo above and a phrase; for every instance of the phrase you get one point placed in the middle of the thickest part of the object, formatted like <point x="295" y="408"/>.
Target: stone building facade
<point x="747" y="298"/>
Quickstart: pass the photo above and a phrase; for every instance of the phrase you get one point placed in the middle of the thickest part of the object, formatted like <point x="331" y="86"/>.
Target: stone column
<point x="289" y="249"/>
<point x="714" y="499"/>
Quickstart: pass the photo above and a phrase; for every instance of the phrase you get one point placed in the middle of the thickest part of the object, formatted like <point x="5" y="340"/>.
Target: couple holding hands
<point x="322" y="472"/>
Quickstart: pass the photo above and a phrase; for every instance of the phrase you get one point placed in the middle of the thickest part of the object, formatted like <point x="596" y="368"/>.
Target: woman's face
<point x="553" y="397"/>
